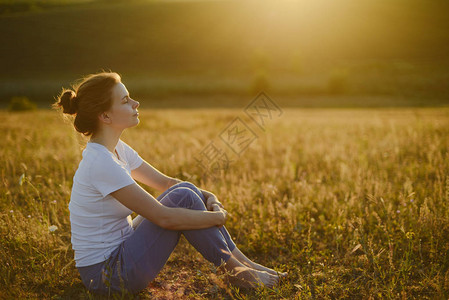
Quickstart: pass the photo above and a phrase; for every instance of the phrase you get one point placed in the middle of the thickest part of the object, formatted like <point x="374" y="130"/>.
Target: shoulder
<point x="100" y="169"/>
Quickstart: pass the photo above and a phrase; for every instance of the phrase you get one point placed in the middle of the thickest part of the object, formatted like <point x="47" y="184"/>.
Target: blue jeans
<point x="138" y="260"/>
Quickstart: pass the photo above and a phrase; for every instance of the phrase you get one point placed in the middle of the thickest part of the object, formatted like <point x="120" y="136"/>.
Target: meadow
<point x="353" y="203"/>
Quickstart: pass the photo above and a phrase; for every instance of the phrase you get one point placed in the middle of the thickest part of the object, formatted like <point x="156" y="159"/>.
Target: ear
<point x="104" y="118"/>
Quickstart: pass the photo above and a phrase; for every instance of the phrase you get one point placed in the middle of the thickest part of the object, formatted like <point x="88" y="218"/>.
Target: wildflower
<point x="411" y="200"/>
<point x="398" y="211"/>
<point x="11" y="211"/>
<point x="21" y="179"/>
<point x="54" y="201"/>
<point x="52" y="228"/>
<point x="29" y="216"/>
<point x="410" y="235"/>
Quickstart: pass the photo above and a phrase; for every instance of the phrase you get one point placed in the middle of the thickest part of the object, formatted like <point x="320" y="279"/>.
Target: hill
<point x="382" y="47"/>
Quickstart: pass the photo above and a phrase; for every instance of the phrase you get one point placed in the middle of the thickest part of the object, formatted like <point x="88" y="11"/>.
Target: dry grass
<point x="353" y="203"/>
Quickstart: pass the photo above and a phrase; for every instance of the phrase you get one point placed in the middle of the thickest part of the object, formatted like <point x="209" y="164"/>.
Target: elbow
<point x="164" y="223"/>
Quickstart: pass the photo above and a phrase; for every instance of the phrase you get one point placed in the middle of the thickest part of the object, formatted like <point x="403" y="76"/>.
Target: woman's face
<point x="123" y="112"/>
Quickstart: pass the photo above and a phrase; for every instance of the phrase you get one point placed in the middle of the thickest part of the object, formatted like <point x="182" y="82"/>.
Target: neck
<point x="107" y="138"/>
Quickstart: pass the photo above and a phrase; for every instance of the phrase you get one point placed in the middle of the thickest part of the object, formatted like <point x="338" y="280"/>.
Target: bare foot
<point x="250" y="264"/>
<point x="244" y="276"/>
<point x="250" y="278"/>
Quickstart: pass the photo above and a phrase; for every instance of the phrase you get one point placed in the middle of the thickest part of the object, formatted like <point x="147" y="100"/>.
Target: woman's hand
<point x="212" y="204"/>
<point x="212" y="200"/>
<point x="224" y="213"/>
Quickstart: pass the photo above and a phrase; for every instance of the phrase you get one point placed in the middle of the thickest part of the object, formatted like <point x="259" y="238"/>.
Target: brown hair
<point x="88" y="99"/>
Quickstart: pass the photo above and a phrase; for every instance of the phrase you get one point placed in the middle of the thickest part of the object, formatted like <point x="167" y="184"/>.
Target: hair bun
<point x="68" y="101"/>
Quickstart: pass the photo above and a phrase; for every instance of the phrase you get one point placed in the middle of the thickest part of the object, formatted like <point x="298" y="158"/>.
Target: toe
<point x="282" y="274"/>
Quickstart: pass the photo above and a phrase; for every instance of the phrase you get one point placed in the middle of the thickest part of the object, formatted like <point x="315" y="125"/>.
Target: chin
<point x="133" y="124"/>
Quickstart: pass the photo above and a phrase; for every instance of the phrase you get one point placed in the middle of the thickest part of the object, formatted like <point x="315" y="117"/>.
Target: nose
<point x="136" y="104"/>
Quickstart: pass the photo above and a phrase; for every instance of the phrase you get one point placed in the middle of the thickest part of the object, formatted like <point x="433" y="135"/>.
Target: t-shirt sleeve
<point x="132" y="157"/>
<point x="108" y="175"/>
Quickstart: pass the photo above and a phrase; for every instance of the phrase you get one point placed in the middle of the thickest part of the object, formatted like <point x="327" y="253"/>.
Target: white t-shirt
<point x="99" y="223"/>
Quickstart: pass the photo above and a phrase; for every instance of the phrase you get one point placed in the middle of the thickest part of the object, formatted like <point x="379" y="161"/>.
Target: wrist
<point x="215" y="218"/>
<point x="222" y="218"/>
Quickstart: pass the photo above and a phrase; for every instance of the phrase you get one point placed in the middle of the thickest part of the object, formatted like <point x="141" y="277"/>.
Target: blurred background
<point x="188" y="54"/>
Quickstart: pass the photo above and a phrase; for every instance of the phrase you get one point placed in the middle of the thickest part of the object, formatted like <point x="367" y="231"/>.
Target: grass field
<point x="352" y="203"/>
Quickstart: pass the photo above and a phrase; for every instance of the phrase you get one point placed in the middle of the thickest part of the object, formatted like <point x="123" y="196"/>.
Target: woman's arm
<point x="138" y="200"/>
<point x="149" y="175"/>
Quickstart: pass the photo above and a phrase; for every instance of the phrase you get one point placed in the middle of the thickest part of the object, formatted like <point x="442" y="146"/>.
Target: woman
<point x="112" y="251"/>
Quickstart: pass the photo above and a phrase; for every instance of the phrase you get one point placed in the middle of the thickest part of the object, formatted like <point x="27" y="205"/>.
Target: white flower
<point x="21" y="179"/>
<point x="53" y="228"/>
<point x="11" y="211"/>
<point x="54" y="201"/>
<point x="29" y="216"/>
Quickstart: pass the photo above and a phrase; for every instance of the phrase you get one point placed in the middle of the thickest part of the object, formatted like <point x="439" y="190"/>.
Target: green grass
<point x="353" y="203"/>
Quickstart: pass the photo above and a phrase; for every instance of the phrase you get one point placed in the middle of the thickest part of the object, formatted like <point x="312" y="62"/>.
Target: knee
<point x="185" y="197"/>
<point x="193" y="188"/>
